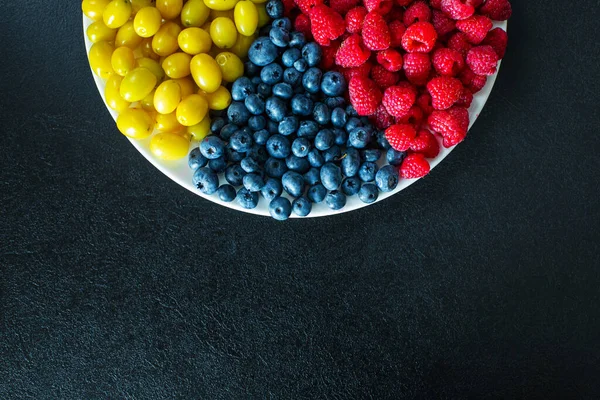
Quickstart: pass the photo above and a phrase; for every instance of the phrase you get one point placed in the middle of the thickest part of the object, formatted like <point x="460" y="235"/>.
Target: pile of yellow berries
<point x="166" y="63"/>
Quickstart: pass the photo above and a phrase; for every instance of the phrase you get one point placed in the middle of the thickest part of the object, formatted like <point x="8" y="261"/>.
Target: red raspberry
<point x="398" y="100"/>
<point x="364" y="94"/>
<point x="414" y="166"/>
<point x="397" y="14"/>
<point x="425" y="143"/>
<point x="442" y="23"/>
<point x="437" y="4"/>
<point x="444" y="91"/>
<point x="307" y="5"/>
<point x="457" y="10"/>
<point x="375" y="32"/>
<point x="499" y="10"/>
<point x="474" y="3"/>
<point x="417" y="67"/>
<point x="420" y="37"/>
<point x="326" y="24"/>
<point x="302" y="24"/>
<point x="472" y="81"/>
<point x="466" y="98"/>
<point x="397" y="30"/>
<point x="329" y="52"/>
<point x="414" y="117"/>
<point x="354" y="19"/>
<point x="390" y="59"/>
<point x="419" y="11"/>
<point x="381" y="6"/>
<point x="482" y="60"/>
<point x="424" y="102"/>
<point x="475" y="27"/>
<point x="288" y="6"/>
<point x="459" y="42"/>
<point x="381" y="119"/>
<point x="403" y="3"/>
<point x="447" y="62"/>
<point x="498" y="39"/>
<point x="384" y="78"/>
<point x="400" y="136"/>
<point x="342" y="6"/>
<point x="363" y="70"/>
<point x="451" y="124"/>
<point x="352" y="52"/>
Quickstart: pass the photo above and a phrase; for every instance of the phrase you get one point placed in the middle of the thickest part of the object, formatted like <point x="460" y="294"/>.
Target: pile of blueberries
<point x="289" y="130"/>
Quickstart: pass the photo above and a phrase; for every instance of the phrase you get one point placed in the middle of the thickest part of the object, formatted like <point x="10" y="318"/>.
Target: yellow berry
<point x="164" y="41"/>
<point x="177" y="65"/>
<point x="126" y="36"/>
<point x="168" y="123"/>
<point x="187" y="86"/>
<point x="117" y="13"/>
<point x="122" y="60"/>
<point x="112" y="95"/>
<point x="263" y="17"/>
<point x="135" y="123"/>
<point x="242" y="45"/>
<point x="137" y="5"/>
<point x="219" y="99"/>
<point x="214" y="14"/>
<point x="231" y="66"/>
<point x="169" y="8"/>
<point x="167" y="97"/>
<point x="194" y="40"/>
<point x="200" y="130"/>
<point x="194" y="13"/>
<point x="93" y="9"/>
<point x="153" y="66"/>
<point x="206" y="72"/>
<point x="97" y="31"/>
<point x="147" y="22"/>
<point x="100" y="56"/>
<point x="220" y="5"/>
<point x="223" y="32"/>
<point x="169" y="146"/>
<point x="246" y="17"/>
<point x="137" y="84"/>
<point x="191" y="110"/>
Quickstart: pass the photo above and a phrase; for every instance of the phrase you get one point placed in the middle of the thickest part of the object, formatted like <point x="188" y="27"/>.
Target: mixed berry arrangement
<point x="302" y="101"/>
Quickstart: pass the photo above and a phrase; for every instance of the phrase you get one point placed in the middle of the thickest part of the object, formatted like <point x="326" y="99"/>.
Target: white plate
<point x="179" y="172"/>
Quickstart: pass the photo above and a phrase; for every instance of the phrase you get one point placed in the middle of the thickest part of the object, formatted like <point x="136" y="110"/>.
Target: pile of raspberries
<point x="412" y="65"/>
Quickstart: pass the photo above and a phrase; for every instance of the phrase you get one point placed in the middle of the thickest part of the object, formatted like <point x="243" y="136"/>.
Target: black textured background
<point x="480" y="281"/>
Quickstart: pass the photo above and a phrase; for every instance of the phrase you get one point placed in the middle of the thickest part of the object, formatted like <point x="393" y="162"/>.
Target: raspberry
<point x="375" y="32"/>
<point x="381" y="6"/>
<point x="498" y="10"/>
<point x="329" y="52"/>
<point x="390" y="59"/>
<point x="425" y="143"/>
<point x="424" y="102"/>
<point x="457" y="10"/>
<point x="420" y="37"/>
<point x="403" y="3"/>
<point x="414" y="166"/>
<point x="364" y="94"/>
<point x="482" y="60"/>
<point x="437" y="4"/>
<point x="472" y="81"/>
<point x="307" y="5"/>
<point x="447" y="62"/>
<point x="475" y="27"/>
<point x="354" y="19"/>
<point x="363" y="70"/>
<point x="444" y="91"/>
<point x="384" y="78"/>
<point x="302" y="24"/>
<point x="442" y="23"/>
<point x="397" y="30"/>
<point x="417" y="67"/>
<point x="466" y="98"/>
<point x="352" y="52"/>
<point x="419" y="11"/>
<point x="414" y="116"/>
<point x="397" y="14"/>
<point x="451" y="124"/>
<point x="400" y="136"/>
<point x="326" y="24"/>
<point x="381" y="119"/>
<point x="498" y="39"/>
<point x="342" y="6"/>
<point x="398" y="100"/>
<point x="474" y="3"/>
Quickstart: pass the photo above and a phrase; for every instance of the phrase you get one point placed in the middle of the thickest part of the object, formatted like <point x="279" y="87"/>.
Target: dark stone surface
<point x="480" y="281"/>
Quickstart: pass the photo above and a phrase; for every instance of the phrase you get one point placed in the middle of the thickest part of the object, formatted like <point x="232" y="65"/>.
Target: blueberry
<point x="338" y="117"/>
<point x="290" y="56"/>
<point x="231" y="156"/>
<point x="217" y="124"/>
<point x="333" y="83"/>
<point x="272" y="189"/>
<point x="253" y="182"/>
<point x="226" y="193"/>
<point x="301" y="206"/>
<point x="283" y="23"/>
<point x="341" y="137"/>
<point x="272" y="127"/>
<point x="368" y="193"/>
<point x="301" y="65"/>
<point x="205" y="180"/>
<point x="333" y="102"/>
<point x="312" y="53"/>
<point x="335" y="200"/>
<point x="259" y="153"/>
<point x="302" y="105"/>
<point x="351" y="186"/>
<point x="275" y="168"/>
<point x="263" y="89"/>
<point x="316" y="193"/>
<point x="241" y="141"/>
<point x="238" y="113"/>
<point x="262" y="51"/>
<point x="249" y="165"/>
<point x="234" y="174"/>
<point x="324" y="139"/>
<point x="359" y="137"/>
<point x="247" y="199"/>
<point x="332" y="154"/>
<point x="297" y="164"/>
<point x="382" y="141"/>
<point x="274" y="9"/>
<point x="256" y="81"/>
<point x="212" y="147"/>
<point x="228" y="130"/>
<point x="351" y="162"/>
<point x="251" y="69"/>
<point x="271" y="74"/>
<point x="293" y="183"/>
<point x="196" y="159"/>
<point x="242" y="88"/>
<point x="367" y="171"/>
<point x="257" y="122"/>
<point x="276" y="109"/>
<point x="261" y="137"/>
<point x="321" y="114"/>
<point x="387" y="178"/>
<point x="312" y="80"/>
<point x="289" y="125"/>
<point x="280" y="208"/>
<point x="292" y="76"/>
<point x="331" y="176"/>
<point x="352" y="124"/>
<point x="351" y="111"/>
<point x="279" y="36"/>
<point x="297" y="39"/>
<point x="315" y="158"/>
<point x="308" y="129"/>
<point x="301" y="147"/>
<point x="371" y="155"/>
<point x="312" y="176"/>
<point x="283" y="90"/>
<point x="278" y="146"/>
<point x="255" y="104"/>
<point x="395" y="157"/>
